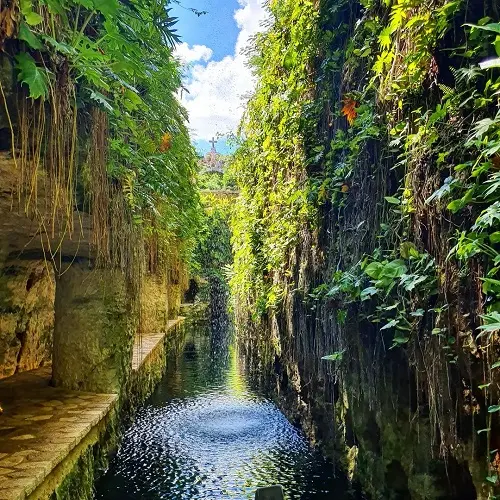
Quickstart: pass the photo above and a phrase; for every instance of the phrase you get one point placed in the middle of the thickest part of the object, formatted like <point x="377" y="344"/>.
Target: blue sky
<point x="216" y="75"/>
<point x="217" y="29"/>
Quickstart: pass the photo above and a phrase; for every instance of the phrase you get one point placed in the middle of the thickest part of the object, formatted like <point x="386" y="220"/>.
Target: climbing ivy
<point x="270" y="164"/>
<point x="389" y="109"/>
<point x="213" y="254"/>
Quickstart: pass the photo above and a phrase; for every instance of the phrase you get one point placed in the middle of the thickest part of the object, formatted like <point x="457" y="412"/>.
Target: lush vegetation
<point x="212" y="255"/>
<point x="98" y="86"/>
<point x="270" y="165"/>
<point x="368" y="176"/>
<point x="215" y="181"/>
<point x="369" y="190"/>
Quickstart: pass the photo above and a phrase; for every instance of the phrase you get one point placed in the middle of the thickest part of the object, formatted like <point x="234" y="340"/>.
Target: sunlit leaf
<point x="29" y="37"/>
<point x="373" y="269"/>
<point x="490" y="63"/>
<point x="100" y="99"/>
<point x="336" y="356"/>
<point x="368" y="292"/>
<point x="391" y="324"/>
<point x="392" y="200"/>
<point x="418" y="313"/>
<point x="108" y="7"/>
<point x="494" y="27"/>
<point x="33" y="76"/>
<point x="394" y="269"/>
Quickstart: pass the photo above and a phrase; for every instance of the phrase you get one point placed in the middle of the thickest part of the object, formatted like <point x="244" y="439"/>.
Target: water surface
<point x="206" y="434"/>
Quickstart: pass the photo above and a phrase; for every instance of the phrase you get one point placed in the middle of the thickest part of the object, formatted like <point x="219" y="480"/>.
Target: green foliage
<point x="217" y="181"/>
<point x="118" y="57"/>
<point x="397" y="97"/>
<point x="401" y="68"/>
<point x="271" y="163"/>
<point x="29" y="73"/>
<point x="336" y="356"/>
<point x="402" y="289"/>
<point x="212" y="255"/>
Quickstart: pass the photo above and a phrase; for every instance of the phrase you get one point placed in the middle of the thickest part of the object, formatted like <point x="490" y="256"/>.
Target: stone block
<point x="27" y="293"/>
<point x="94" y="330"/>
<point x="154" y="304"/>
<point x="269" y="493"/>
<point x="8" y="80"/>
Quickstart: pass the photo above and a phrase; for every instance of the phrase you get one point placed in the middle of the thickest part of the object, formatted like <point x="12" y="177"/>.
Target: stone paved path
<point x="146" y="343"/>
<point x="40" y="426"/>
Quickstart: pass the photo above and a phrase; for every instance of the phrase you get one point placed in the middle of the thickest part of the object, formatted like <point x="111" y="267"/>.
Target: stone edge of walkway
<point x="146" y="344"/>
<point x="26" y="485"/>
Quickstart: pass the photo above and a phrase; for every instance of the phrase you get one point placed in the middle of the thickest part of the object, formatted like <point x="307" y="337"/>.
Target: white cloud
<point x="196" y="53"/>
<point x="217" y="89"/>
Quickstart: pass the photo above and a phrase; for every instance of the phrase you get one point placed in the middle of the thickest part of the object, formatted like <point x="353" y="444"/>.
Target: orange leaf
<point x="349" y="109"/>
<point x="166" y="142"/>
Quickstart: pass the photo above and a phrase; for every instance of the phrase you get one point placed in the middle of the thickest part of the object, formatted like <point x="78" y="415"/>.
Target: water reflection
<point x="205" y="434"/>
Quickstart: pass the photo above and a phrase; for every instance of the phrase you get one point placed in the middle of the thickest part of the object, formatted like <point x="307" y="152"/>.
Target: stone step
<point x="270" y="493"/>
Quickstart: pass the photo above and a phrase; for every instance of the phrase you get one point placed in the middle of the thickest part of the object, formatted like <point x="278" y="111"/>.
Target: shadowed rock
<point x="269" y="493"/>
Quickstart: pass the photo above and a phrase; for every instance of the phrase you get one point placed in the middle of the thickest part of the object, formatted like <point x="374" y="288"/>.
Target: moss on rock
<point x="27" y="292"/>
<point x="94" y="330"/>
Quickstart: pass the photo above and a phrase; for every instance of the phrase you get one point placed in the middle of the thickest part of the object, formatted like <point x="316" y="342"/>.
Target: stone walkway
<point x="146" y="344"/>
<point x="40" y="426"/>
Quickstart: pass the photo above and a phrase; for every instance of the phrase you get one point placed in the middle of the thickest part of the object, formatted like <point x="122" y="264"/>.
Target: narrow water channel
<point x="206" y="434"/>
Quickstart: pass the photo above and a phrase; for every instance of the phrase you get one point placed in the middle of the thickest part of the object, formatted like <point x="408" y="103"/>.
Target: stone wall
<point x="27" y="293"/>
<point x="154" y="304"/>
<point x="97" y="318"/>
<point x="7" y="80"/>
<point x="28" y="287"/>
<point x="94" y="330"/>
<point x="178" y="283"/>
<point x="146" y="377"/>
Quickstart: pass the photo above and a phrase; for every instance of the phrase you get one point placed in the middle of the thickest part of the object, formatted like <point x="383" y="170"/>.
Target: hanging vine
<point x="96" y="99"/>
<point x="368" y="178"/>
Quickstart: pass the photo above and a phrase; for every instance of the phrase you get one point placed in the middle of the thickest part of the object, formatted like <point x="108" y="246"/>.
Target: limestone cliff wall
<point x="161" y="297"/>
<point x="27" y="293"/>
<point x="407" y="404"/>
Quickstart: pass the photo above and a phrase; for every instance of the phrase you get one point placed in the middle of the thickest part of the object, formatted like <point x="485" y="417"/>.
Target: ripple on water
<point x="214" y="443"/>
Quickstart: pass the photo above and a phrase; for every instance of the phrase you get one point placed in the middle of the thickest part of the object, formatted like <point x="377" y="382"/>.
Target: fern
<point x="465" y="76"/>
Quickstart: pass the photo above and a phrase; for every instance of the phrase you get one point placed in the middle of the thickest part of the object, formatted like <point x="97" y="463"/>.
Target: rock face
<point x="27" y="293"/>
<point x="7" y="79"/>
<point x="94" y="316"/>
<point x="393" y="379"/>
<point x="21" y="231"/>
<point x="94" y="330"/>
<point x="154" y="305"/>
<point x="160" y="299"/>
